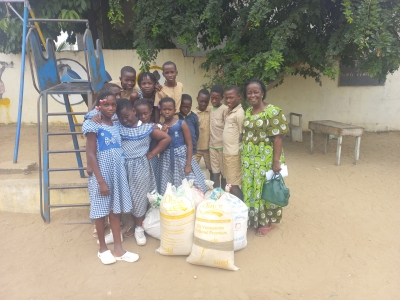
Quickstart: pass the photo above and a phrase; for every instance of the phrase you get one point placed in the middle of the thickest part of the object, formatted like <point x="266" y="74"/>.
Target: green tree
<point x="268" y="39"/>
<point x="95" y="11"/>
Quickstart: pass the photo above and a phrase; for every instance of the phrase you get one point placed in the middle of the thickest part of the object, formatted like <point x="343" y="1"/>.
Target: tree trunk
<point x="92" y="17"/>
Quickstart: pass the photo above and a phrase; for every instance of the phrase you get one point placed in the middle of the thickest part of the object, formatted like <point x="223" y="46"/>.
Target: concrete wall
<point x="377" y="108"/>
<point x="189" y="70"/>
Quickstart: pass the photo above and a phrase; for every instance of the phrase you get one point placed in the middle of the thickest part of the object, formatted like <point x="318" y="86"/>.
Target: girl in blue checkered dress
<point x="136" y="137"/>
<point x="176" y="162"/>
<point x="108" y="186"/>
<point x="144" y="111"/>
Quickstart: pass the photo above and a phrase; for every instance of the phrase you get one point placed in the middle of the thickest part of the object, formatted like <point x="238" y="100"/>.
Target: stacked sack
<point x="209" y="228"/>
<point x="213" y="235"/>
<point x="177" y="220"/>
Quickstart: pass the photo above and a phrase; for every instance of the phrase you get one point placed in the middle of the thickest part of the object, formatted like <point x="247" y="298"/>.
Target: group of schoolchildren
<point x="139" y="140"/>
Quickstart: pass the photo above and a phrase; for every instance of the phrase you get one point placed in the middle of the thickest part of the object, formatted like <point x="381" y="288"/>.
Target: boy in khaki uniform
<point x="217" y="123"/>
<point x="232" y="140"/>
<point x="171" y="88"/>
<point x="203" y="113"/>
<point x="127" y="82"/>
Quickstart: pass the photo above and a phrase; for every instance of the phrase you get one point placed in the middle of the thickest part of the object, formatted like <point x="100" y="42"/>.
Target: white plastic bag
<point x="151" y="222"/>
<point x="240" y="220"/>
<point x="213" y="236"/>
<point x="197" y="195"/>
<point x="177" y="221"/>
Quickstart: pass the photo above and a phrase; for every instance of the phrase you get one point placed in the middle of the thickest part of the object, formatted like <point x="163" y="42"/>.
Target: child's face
<point x="144" y="113"/>
<point x="116" y="91"/>
<point x="128" y="80"/>
<point x="167" y="110"/>
<point x="170" y="73"/>
<point x="108" y="106"/>
<point x="216" y="99"/>
<point x="147" y="86"/>
<point x="232" y="98"/>
<point x="127" y="116"/>
<point x="203" y="101"/>
<point x="186" y="107"/>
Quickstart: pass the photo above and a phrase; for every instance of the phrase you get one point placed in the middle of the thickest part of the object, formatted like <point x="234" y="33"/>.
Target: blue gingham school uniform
<point x="141" y="178"/>
<point x="111" y="161"/>
<point x="172" y="162"/>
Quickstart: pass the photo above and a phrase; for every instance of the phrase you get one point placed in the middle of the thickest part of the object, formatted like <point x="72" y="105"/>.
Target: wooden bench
<point x="338" y="129"/>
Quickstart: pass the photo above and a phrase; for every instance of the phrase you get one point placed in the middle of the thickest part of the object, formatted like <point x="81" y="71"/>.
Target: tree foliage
<point x="270" y="38"/>
<point x="11" y="25"/>
<point x="95" y="11"/>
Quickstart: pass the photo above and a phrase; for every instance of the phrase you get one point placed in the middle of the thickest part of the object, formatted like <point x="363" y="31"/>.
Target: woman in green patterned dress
<point x="263" y="129"/>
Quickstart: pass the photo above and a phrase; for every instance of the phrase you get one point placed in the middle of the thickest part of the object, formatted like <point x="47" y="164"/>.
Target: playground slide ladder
<point x="44" y="137"/>
<point x="48" y="83"/>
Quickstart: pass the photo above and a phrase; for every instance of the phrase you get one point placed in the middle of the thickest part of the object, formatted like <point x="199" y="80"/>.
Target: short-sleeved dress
<point x="257" y="159"/>
<point x="111" y="161"/>
<point x="172" y="162"/>
<point x="135" y="144"/>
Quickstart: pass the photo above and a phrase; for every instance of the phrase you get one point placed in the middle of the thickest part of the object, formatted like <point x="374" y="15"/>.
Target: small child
<point x="108" y="185"/>
<point x="136" y="137"/>
<point x="171" y="88"/>
<point x="111" y="87"/>
<point x="177" y="162"/>
<point x="217" y="124"/>
<point x="232" y="139"/>
<point x="148" y="85"/>
<point x="191" y="119"/>
<point x="127" y="82"/>
<point x="203" y="113"/>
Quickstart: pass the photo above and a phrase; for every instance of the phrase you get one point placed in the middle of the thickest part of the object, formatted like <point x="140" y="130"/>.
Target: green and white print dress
<point x="257" y="158"/>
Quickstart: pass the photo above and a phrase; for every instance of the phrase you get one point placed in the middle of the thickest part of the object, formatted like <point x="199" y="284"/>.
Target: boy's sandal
<point x="128" y="257"/>
<point x="263" y="231"/>
<point x="106" y="257"/>
<point x="130" y="232"/>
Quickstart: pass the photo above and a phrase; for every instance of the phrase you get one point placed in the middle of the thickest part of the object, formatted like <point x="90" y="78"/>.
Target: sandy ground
<point x="338" y="240"/>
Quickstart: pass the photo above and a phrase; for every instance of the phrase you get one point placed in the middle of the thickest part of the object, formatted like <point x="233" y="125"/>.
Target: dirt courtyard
<point x="338" y="238"/>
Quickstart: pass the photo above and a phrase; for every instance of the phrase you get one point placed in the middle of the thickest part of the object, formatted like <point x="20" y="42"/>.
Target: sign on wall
<point x="352" y="76"/>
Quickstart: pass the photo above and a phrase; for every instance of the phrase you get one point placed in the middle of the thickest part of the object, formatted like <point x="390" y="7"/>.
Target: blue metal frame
<point x="21" y="86"/>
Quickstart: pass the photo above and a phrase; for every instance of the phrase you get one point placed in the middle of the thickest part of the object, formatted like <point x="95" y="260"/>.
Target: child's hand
<point x="97" y="119"/>
<point x="103" y="187"/>
<point x="149" y="155"/>
<point x="188" y="170"/>
<point x="165" y="128"/>
<point x="89" y="170"/>
<point x="158" y="87"/>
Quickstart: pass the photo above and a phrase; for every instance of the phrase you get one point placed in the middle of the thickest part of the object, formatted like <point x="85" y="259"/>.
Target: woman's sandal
<point x="263" y="231"/>
<point x="130" y="232"/>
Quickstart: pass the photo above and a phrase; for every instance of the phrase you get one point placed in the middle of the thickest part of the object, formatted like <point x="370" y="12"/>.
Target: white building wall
<point x="377" y="108"/>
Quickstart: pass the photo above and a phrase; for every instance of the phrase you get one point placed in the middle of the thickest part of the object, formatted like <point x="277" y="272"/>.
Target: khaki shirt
<point x="125" y="93"/>
<point x="217" y="123"/>
<point x="172" y="92"/>
<point x="204" y="128"/>
<point x="232" y="135"/>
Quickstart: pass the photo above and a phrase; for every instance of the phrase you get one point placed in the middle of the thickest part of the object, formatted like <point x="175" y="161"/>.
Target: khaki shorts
<point x="206" y="155"/>
<point x="233" y="169"/>
<point x="217" y="161"/>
